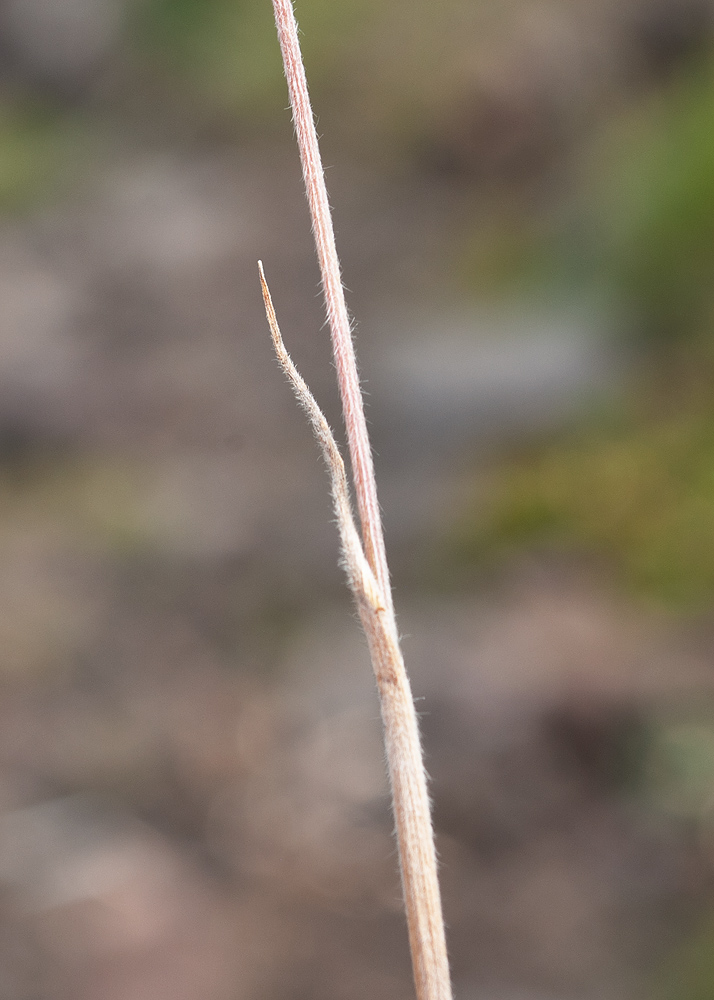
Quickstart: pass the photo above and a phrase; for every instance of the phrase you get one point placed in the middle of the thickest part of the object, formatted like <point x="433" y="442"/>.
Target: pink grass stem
<point x="337" y="315"/>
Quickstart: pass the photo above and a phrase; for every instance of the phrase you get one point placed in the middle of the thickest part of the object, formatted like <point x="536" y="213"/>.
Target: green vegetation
<point x="640" y="494"/>
<point x="220" y="49"/>
<point x="35" y="147"/>
<point x="688" y="973"/>
<point x="677" y="772"/>
<point x="100" y="501"/>
<point x="653" y="216"/>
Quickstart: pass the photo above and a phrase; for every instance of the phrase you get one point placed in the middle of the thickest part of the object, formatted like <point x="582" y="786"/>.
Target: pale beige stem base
<point x="412" y="813"/>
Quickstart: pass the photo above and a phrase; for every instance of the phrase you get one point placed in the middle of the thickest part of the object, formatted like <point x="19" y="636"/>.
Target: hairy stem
<point x="337" y="315"/>
<point x="365" y="558"/>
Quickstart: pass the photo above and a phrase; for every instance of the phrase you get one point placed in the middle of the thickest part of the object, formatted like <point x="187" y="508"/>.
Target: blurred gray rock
<point x="453" y="380"/>
<point x="60" y="43"/>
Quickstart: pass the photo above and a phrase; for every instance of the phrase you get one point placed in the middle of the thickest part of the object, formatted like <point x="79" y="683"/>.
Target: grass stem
<point x="364" y="558"/>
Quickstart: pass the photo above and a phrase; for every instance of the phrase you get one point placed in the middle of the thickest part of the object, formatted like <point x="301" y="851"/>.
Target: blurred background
<point x="192" y="795"/>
